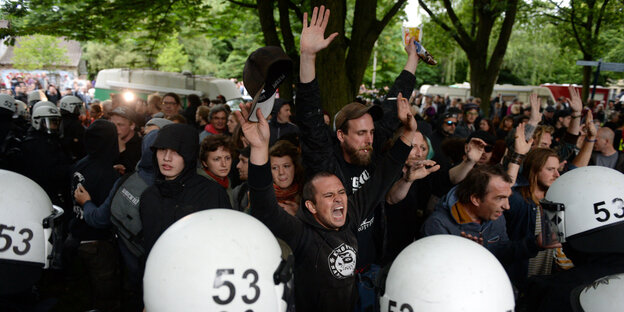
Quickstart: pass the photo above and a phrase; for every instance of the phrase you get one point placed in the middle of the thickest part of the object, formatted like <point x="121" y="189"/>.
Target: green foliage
<point x="38" y="52"/>
<point x="172" y="57"/>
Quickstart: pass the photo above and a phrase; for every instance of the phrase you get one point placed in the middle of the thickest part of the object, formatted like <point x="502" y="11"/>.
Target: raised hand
<point x="536" y="104"/>
<point x="313" y="36"/>
<point x="475" y="149"/>
<point x="575" y="103"/>
<point x="521" y="146"/>
<point x="405" y="114"/>
<point x="592" y="132"/>
<point x="418" y="170"/>
<point x="257" y="133"/>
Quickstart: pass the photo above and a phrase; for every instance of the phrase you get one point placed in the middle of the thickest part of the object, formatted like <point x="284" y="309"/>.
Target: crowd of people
<point x="356" y="201"/>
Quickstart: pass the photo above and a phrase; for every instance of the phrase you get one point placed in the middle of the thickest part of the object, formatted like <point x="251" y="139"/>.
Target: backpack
<point x="125" y="215"/>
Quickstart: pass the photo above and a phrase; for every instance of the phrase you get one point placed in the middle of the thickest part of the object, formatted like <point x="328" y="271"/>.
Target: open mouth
<point x="166" y="167"/>
<point x="338" y="212"/>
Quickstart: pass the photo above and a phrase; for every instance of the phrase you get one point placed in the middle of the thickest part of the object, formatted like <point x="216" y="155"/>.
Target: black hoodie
<point x="96" y="174"/>
<point x="165" y="202"/>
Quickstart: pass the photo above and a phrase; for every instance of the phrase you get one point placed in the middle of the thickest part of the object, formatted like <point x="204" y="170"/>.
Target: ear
<point x="475" y="200"/>
<point x="132" y="126"/>
<point x="310" y="205"/>
<point x="204" y="164"/>
<point x="340" y="135"/>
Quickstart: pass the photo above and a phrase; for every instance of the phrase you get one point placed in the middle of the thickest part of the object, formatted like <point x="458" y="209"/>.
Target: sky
<point x="414" y="16"/>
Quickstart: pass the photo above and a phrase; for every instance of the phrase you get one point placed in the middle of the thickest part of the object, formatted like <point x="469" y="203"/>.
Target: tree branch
<point x="390" y="14"/>
<point x="444" y="26"/>
<point x="244" y="4"/>
<point x="503" y="38"/>
<point x="295" y="8"/>
<point x="600" y="17"/>
<point x="456" y="22"/>
<point x="577" y="37"/>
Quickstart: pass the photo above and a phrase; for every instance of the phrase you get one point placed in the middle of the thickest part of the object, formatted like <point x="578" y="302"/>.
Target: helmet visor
<point x="51" y="124"/>
<point x="553" y="225"/>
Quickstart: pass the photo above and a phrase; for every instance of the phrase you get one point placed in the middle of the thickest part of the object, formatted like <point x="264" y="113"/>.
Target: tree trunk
<point x="481" y="85"/>
<point x="587" y="78"/>
<point x="331" y="69"/>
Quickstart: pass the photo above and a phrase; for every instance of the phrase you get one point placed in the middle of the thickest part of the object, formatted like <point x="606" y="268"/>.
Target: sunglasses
<point x="488" y="148"/>
<point x="450" y="123"/>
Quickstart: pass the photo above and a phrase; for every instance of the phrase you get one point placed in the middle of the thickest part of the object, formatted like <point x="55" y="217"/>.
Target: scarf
<point x="211" y="129"/>
<point x="222" y="181"/>
<point x="289" y="193"/>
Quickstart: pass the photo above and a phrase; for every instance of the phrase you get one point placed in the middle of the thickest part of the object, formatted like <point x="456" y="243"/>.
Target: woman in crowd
<point x="216" y="160"/>
<point x="287" y="173"/>
<point x="486" y="125"/>
<point x="201" y="117"/>
<point x="505" y="126"/>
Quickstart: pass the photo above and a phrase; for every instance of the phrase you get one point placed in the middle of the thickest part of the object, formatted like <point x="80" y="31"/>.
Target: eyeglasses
<point x="472" y="113"/>
<point x="450" y="123"/>
<point x="488" y="148"/>
<point x="170" y="103"/>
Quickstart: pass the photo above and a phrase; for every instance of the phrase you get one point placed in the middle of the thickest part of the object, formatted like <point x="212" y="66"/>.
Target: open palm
<point x="313" y="35"/>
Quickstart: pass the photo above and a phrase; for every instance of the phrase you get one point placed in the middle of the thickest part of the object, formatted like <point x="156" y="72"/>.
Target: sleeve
<point x="375" y="189"/>
<point x="385" y="128"/>
<point x="433" y="226"/>
<point x="316" y="140"/>
<point x="99" y="216"/>
<point x="264" y="206"/>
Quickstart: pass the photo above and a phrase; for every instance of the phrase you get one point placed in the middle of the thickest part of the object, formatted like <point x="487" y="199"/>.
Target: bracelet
<point x="590" y="141"/>
<point x="516" y="158"/>
<point x="577" y="116"/>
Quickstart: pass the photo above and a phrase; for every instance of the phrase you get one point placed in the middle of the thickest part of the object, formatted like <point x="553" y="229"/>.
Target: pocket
<point x="494" y="239"/>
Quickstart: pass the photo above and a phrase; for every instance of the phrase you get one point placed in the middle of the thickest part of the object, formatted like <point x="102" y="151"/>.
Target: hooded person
<point x="280" y="124"/>
<point x="121" y="209"/>
<point x="178" y="190"/>
<point x="94" y="173"/>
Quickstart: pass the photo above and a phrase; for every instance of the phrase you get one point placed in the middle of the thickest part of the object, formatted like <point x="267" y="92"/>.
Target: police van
<point x="139" y="83"/>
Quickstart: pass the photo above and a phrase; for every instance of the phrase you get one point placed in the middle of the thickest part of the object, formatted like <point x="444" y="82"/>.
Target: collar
<point x="459" y="213"/>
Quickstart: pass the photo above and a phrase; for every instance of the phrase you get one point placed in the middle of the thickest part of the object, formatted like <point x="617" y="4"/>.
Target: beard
<point x="357" y="155"/>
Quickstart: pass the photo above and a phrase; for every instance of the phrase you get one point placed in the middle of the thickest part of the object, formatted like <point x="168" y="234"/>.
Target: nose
<point x="506" y="205"/>
<point x="223" y="162"/>
<point x="167" y="156"/>
<point x="557" y="174"/>
<point x="280" y="171"/>
<point x="369" y="138"/>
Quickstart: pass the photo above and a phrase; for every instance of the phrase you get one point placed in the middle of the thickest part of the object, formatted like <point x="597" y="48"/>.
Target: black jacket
<point x="73" y="136"/>
<point x="131" y="155"/>
<point x="325" y="260"/>
<point x="96" y="174"/>
<point x="165" y="202"/>
<point x="321" y="151"/>
<point x="40" y="157"/>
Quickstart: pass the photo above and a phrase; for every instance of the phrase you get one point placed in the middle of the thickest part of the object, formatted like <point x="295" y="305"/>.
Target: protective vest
<point x="125" y="214"/>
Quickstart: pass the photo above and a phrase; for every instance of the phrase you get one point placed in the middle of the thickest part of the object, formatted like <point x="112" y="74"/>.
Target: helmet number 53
<point x="221" y="281"/>
<point x="8" y="241"/>
<point x="604" y="212"/>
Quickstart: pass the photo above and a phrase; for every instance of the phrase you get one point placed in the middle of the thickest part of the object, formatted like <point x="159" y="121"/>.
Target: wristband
<point x="590" y="141"/>
<point x="516" y="158"/>
<point x="577" y="116"/>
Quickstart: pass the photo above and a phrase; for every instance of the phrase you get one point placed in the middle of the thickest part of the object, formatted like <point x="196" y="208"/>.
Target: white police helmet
<point x="585" y="208"/>
<point x="7" y="102"/>
<point x="21" y="110"/>
<point x="217" y="260"/>
<point x="36" y="96"/>
<point x="446" y="273"/>
<point x="42" y="103"/>
<point x="71" y="104"/>
<point x="46" y="118"/>
<point x="26" y="225"/>
<point x="602" y="295"/>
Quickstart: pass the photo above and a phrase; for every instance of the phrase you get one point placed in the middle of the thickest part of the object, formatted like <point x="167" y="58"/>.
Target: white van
<point x="142" y="82"/>
<point x="506" y="92"/>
